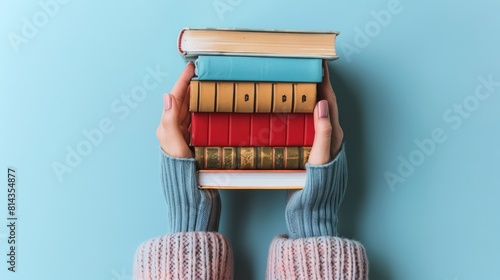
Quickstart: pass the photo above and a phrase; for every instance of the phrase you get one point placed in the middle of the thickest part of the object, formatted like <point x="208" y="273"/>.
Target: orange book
<point x="252" y="97"/>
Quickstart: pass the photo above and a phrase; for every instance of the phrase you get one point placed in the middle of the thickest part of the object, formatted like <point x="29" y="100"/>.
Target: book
<point x="252" y="179"/>
<point x="247" y="129"/>
<point x="251" y="157"/>
<point x="193" y="42"/>
<point x="252" y="97"/>
<point x="262" y="69"/>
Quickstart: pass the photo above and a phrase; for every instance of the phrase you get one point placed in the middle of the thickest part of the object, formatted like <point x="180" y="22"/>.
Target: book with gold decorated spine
<point x="268" y="158"/>
<point x="251" y="97"/>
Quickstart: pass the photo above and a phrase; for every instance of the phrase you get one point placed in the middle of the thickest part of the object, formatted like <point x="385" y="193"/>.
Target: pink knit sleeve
<point x="184" y="255"/>
<point x="325" y="257"/>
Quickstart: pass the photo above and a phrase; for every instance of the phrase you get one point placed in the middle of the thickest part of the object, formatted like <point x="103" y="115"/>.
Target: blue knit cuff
<point x="312" y="211"/>
<point x="189" y="208"/>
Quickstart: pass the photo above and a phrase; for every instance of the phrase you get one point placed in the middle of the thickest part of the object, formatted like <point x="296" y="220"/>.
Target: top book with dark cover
<point x="193" y="42"/>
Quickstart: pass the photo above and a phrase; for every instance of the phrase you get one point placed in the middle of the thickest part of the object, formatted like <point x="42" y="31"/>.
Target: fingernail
<point x="167" y="102"/>
<point x="323" y="109"/>
<point x="189" y="62"/>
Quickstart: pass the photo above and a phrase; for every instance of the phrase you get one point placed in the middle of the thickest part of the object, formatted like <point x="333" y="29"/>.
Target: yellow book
<point x="252" y="97"/>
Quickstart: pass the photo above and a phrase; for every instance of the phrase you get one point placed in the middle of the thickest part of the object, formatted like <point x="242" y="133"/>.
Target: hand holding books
<point x="173" y="134"/>
<point x="173" y="130"/>
<point x="328" y="133"/>
<point x="311" y="213"/>
<point x="327" y="170"/>
<point x="190" y="209"/>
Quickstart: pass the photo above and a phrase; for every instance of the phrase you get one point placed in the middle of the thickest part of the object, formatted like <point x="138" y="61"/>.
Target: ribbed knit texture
<point x="313" y="252"/>
<point x="312" y="211"/>
<point x="188" y="207"/>
<point x="318" y="258"/>
<point x="184" y="255"/>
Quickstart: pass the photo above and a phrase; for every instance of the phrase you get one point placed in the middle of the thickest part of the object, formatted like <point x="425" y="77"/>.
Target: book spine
<point x="268" y="158"/>
<point x="247" y="129"/>
<point x="262" y="69"/>
<point x="251" y="97"/>
<point x="179" y="42"/>
<point x="194" y="42"/>
<point x="251" y="179"/>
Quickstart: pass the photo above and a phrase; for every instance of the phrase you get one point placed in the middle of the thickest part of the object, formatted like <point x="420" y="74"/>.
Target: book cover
<point x="252" y="97"/>
<point x="252" y="179"/>
<point x="263" y="69"/>
<point x="246" y="129"/>
<point x="251" y="157"/>
<point x="193" y="42"/>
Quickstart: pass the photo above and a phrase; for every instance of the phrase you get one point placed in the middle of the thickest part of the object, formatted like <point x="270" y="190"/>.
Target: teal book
<point x="259" y="69"/>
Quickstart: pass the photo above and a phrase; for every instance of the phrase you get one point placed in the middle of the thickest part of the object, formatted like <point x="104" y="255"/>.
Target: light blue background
<point x="393" y="88"/>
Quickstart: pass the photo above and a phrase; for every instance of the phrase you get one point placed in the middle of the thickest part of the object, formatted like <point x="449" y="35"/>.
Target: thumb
<point x="320" y="151"/>
<point x="170" y="132"/>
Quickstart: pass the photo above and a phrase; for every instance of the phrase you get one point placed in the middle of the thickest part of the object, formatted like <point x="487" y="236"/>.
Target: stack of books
<point x="252" y="103"/>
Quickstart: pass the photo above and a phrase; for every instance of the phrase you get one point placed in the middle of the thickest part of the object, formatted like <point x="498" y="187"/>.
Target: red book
<point x="217" y="129"/>
<point x="296" y="126"/>
<point x="199" y="129"/>
<point x="259" y="131"/>
<point x="278" y="130"/>
<point x="239" y="130"/>
<point x="309" y="125"/>
<point x="249" y="129"/>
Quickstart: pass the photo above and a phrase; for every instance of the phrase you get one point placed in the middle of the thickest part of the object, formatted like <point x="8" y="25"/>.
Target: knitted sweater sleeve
<point x="184" y="255"/>
<point x="316" y="258"/>
<point x="190" y="252"/>
<point x="312" y="249"/>
<point x="191" y="249"/>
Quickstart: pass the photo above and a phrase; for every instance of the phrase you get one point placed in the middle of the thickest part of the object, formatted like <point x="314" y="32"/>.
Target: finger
<point x="170" y="133"/>
<point x="320" y="151"/>
<point x="325" y="87"/>
<point x="180" y="88"/>
<point x="185" y="114"/>
<point x="186" y="121"/>
<point x="325" y="91"/>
